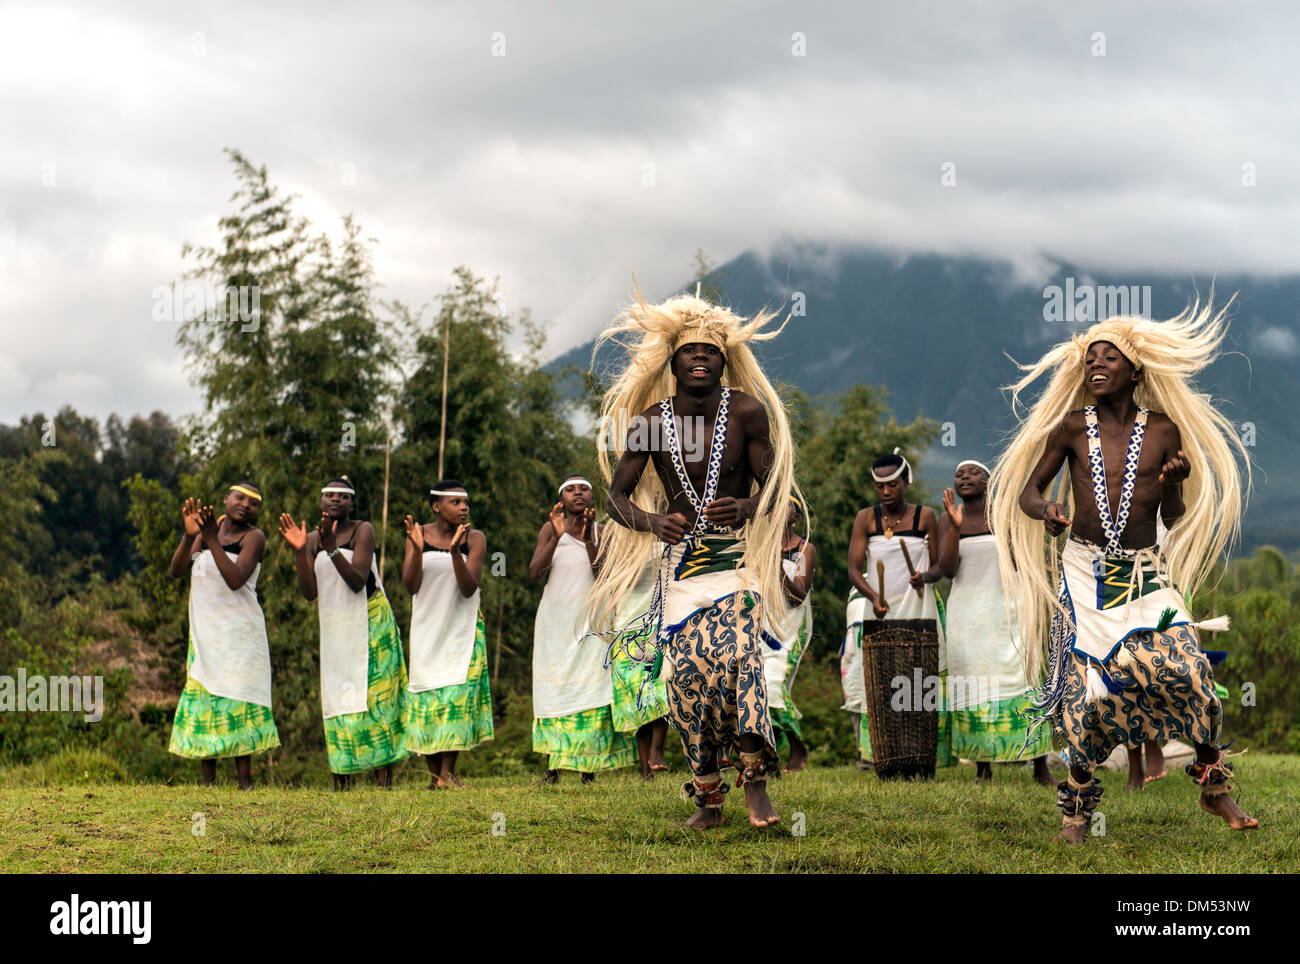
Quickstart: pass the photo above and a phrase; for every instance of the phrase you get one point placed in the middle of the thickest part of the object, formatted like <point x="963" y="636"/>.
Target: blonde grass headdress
<point x="1168" y="354"/>
<point x="652" y="334"/>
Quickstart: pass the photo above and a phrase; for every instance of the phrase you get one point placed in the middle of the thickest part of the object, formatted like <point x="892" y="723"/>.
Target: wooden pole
<point x="383" y="537"/>
<point x="442" y="429"/>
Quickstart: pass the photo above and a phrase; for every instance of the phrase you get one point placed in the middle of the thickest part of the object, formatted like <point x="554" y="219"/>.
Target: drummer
<point x="899" y="539"/>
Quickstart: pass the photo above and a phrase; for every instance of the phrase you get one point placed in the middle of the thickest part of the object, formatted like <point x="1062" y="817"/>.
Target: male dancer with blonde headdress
<point x="720" y="511"/>
<point x="1123" y="660"/>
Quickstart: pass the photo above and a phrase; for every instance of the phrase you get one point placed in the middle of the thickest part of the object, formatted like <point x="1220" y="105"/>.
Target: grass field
<point x="852" y="823"/>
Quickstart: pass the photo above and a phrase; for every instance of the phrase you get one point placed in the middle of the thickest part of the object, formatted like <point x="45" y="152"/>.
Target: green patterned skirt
<point x="629" y="676"/>
<point x="995" y="731"/>
<point x="784" y="726"/>
<point x="785" y="721"/>
<point x="357" y="742"/>
<point x="586" y="741"/>
<point x="208" y="726"/>
<point x="452" y="718"/>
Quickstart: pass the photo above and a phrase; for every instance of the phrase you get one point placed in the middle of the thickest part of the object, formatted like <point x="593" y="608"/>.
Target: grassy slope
<point x="854" y="823"/>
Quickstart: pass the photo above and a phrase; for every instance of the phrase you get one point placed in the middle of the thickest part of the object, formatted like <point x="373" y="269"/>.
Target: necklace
<point x="1113" y="528"/>
<point x="716" y="445"/>
<point x="889" y="526"/>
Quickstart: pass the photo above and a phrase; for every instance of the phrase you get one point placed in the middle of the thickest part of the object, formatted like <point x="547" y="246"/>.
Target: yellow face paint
<point x="248" y="492"/>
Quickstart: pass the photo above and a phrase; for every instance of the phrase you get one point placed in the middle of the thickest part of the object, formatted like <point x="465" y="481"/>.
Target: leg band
<point x="1077" y="800"/>
<point x="705" y="792"/>
<point x="756" y="768"/>
<point x="1213" y="778"/>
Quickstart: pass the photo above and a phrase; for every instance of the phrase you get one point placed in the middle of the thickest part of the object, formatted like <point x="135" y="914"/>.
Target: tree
<point x="293" y="396"/>
<point x="706" y="278"/>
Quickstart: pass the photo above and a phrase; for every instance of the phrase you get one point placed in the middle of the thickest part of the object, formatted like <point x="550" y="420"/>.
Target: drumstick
<point x="911" y="569"/>
<point x="880" y="581"/>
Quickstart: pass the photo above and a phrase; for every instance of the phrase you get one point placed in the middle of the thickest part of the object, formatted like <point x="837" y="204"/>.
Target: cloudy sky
<point x="565" y="146"/>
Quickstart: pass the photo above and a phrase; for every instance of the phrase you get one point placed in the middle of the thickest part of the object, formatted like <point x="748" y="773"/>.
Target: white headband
<point x="449" y="492"/>
<point x="338" y="488"/>
<point x="974" y="462"/>
<point x="905" y="467"/>
<point x="568" y="482"/>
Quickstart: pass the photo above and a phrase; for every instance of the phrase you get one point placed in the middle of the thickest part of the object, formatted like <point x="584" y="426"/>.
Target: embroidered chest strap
<point x="1113" y="527"/>
<point x="716" y="444"/>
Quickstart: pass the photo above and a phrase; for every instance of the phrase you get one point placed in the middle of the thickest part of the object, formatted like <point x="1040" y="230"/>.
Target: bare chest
<point x="695" y="439"/>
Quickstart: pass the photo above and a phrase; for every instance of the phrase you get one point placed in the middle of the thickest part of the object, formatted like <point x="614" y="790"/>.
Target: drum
<point x="900" y="665"/>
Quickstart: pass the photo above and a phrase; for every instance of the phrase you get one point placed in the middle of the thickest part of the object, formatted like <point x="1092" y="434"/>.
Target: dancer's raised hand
<point x="190" y="516"/>
<point x="208" y="522"/>
<point x="328" y="532"/>
<point x="952" y="507"/>
<point x="295" y="535"/>
<point x="414" y="532"/>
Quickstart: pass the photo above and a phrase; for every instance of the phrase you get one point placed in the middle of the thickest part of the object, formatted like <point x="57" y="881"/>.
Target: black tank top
<point x="914" y="531"/>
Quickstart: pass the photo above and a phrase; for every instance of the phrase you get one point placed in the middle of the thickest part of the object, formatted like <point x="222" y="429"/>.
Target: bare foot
<point x="705" y="817"/>
<point x="657" y="763"/>
<point x="798" y="757"/>
<point x="1135" y="781"/>
<point x="1222" y="805"/>
<point x="983" y="771"/>
<point x="449" y="781"/>
<point x="761" y="811"/>
<point x="1043" y="773"/>
<point x="1073" y="833"/>
<point x="865" y="766"/>
<point x="1155" y="762"/>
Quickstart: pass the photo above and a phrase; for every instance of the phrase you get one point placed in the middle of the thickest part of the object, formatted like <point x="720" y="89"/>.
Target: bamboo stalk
<point x="383" y="531"/>
<point x="442" y="427"/>
<point x="880" y="581"/>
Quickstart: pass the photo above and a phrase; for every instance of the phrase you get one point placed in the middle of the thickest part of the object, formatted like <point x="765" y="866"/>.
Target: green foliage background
<point x="327" y="378"/>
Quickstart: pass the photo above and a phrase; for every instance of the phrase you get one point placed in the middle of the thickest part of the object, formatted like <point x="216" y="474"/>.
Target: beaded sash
<point x="1113" y="528"/>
